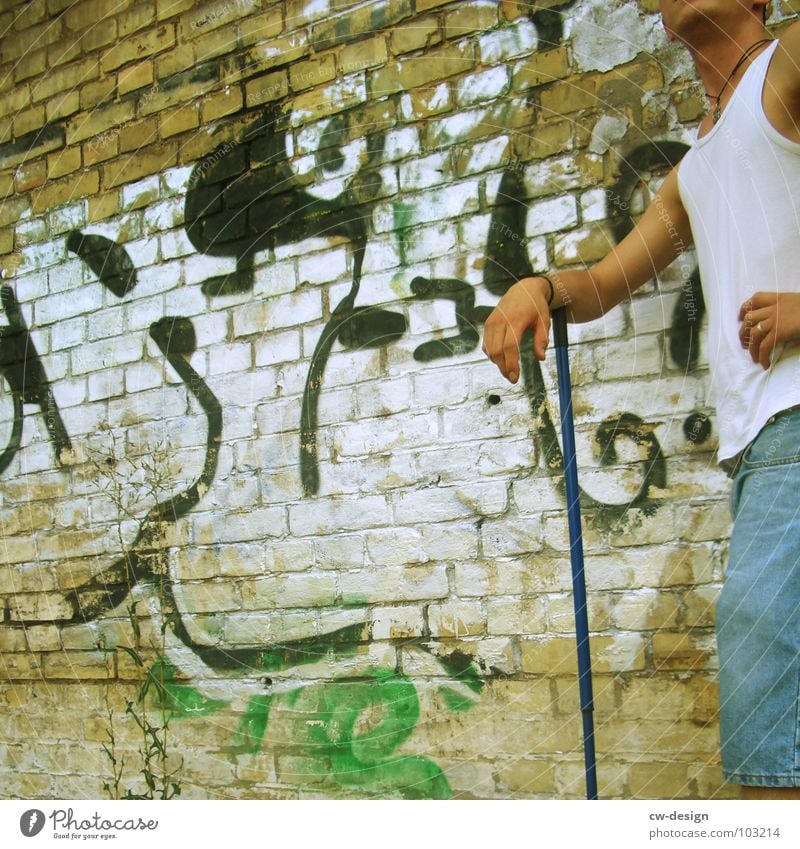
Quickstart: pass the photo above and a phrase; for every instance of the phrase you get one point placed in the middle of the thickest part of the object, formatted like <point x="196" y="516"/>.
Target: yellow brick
<point x="62" y="105"/>
<point x="6" y="241"/>
<point x="138" y="134"/>
<point x="216" y="43"/>
<point x="20" y="667"/>
<point x="529" y="776"/>
<point x="31" y="175"/>
<point x="7" y="182"/>
<point x="264" y="89"/>
<point x="179" y="59"/>
<point x="66" y="191"/>
<point x="659" y="781"/>
<point x="65" y="79"/>
<point x="138" y="46"/>
<point x="93" y="123"/>
<point x="102" y="147"/>
<point x="63" y="162"/>
<point x="221" y="103"/>
<point x="138" y="16"/>
<point x="313" y="72"/>
<point x="142" y="163"/>
<point x="587" y="246"/>
<point x="570" y="95"/>
<point x="31" y="14"/>
<point x="255" y="28"/>
<point x="690" y="105"/>
<point x="179" y="120"/>
<point x="29" y="120"/>
<point x="468" y="18"/>
<point x="135" y="76"/>
<point x="99" y="35"/>
<point x="104" y="205"/>
<point x="67" y="50"/>
<point x="363" y="54"/>
<point x="680" y="651"/>
<point x="31" y="64"/>
<point x="97" y="92"/>
<point x="548" y="655"/>
<point x="541" y="69"/>
<point x="421" y="32"/>
<point x="169" y="8"/>
<point x="277" y="51"/>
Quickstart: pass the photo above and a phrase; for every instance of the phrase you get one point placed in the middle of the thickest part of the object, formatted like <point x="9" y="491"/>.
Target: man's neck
<point x="716" y="57"/>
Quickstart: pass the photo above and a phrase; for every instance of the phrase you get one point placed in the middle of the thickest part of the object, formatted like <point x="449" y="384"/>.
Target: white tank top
<point x="740" y="185"/>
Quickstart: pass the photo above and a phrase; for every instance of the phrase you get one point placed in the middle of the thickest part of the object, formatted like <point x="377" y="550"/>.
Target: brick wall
<point x="250" y="450"/>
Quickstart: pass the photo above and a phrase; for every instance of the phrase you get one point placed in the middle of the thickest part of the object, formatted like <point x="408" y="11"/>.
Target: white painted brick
<point x="106" y="384"/>
<point x="187" y="301"/>
<point x="105" y="323"/>
<point x="68" y="304"/>
<point x="457" y="127"/>
<point x="555" y="174"/>
<point x="312" y="244"/>
<point x="372" y="436"/>
<point x="595" y="205"/>
<point x="485" y="85"/>
<point x="442" y="504"/>
<point x="346" y="367"/>
<point x="395" y="547"/>
<point x="516" y="616"/>
<point x="423" y="172"/>
<point x="393" y="584"/>
<point x="70" y="392"/>
<point x="277" y="313"/>
<point x="143" y="252"/>
<point x="567" y="246"/>
<point x="335" y="406"/>
<point x="511" y="535"/>
<point x="142" y="376"/>
<point x="381" y="253"/>
<point x="29" y="288"/>
<point x="225" y="359"/>
<point x="30" y="232"/>
<point x="423" y="243"/>
<point x="515" y="40"/>
<point x="200" y="267"/>
<point x="107" y="353"/>
<point x="143" y="312"/>
<point x="439" y="388"/>
<point x="70" y="217"/>
<point x="486" y="155"/>
<point x="210" y="328"/>
<point x="396" y="623"/>
<point x="437" y="99"/>
<point x="446" y="202"/>
<point x="261" y="523"/>
<point x="400" y="144"/>
<point x="551" y="215"/>
<point x="68" y="333"/>
<point x="342" y="551"/>
<point x="450" y="541"/>
<point x="166" y="215"/>
<point x="323" y="267"/>
<point x="277" y="348"/>
<point x="43" y="254"/>
<point x="142" y="191"/>
<point x="383" y="398"/>
<point x="288" y="591"/>
<point x="175" y="180"/>
<point x="331" y="515"/>
<point x="67" y="275"/>
<point x="245" y="389"/>
<point x="457" y="619"/>
<point x="175" y="244"/>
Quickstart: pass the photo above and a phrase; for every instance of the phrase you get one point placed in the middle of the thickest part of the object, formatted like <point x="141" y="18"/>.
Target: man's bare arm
<point x="660" y="236"/>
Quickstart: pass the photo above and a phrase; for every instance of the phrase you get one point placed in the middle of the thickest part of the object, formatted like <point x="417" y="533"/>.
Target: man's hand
<point x="523" y="307"/>
<point x="767" y="320"/>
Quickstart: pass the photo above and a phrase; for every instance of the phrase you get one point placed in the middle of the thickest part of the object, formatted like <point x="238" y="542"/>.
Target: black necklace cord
<point x="742" y="59"/>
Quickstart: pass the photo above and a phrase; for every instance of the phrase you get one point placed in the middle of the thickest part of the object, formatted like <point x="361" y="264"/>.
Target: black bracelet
<point x="552" y="288"/>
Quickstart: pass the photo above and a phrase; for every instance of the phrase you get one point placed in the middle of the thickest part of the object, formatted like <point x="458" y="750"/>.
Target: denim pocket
<point x="777" y="444"/>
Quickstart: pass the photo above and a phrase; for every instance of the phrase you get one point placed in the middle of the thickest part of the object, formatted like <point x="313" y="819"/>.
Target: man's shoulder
<point x="787" y="54"/>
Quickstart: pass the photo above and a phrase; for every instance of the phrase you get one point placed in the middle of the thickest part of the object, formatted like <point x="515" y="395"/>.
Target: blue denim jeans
<point x="758" y="613"/>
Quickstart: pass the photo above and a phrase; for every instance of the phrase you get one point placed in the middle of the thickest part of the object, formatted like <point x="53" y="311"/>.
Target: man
<point x="733" y="196"/>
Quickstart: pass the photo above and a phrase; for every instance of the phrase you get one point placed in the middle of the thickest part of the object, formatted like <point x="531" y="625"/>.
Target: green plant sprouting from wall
<point x="131" y="487"/>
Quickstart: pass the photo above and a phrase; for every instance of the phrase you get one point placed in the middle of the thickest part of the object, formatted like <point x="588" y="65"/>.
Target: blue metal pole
<point x="576" y="548"/>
